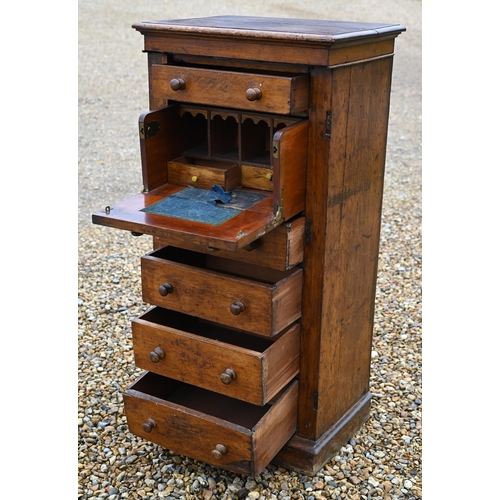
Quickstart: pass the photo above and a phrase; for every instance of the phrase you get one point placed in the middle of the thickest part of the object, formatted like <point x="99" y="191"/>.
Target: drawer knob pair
<point x="157" y="354"/>
<point x="237" y="308"/>
<point x="177" y="84"/>
<point x="219" y="451"/>
<point x="165" y="289"/>
<point x="228" y="376"/>
<point x="149" y="425"/>
<point x="253" y="94"/>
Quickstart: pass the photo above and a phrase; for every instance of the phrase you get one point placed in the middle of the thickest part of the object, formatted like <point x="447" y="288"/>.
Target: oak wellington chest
<point x="263" y="158"/>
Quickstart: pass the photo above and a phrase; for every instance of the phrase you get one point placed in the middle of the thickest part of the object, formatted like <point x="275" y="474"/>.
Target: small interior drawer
<point x="208" y="426"/>
<point x="203" y="174"/>
<point x="283" y="94"/>
<point x="207" y="355"/>
<point x="243" y="296"/>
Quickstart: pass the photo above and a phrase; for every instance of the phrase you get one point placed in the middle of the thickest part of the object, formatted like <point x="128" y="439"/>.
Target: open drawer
<point x="275" y="93"/>
<point x="185" y="348"/>
<point x="208" y="426"/>
<point x="242" y="296"/>
<point x="259" y="159"/>
<point x="281" y="249"/>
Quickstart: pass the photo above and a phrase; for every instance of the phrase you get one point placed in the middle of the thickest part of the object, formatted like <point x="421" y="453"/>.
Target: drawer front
<point x="249" y="368"/>
<point x="210" y="427"/>
<point x="281" y="249"/>
<point x="253" y="305"/>
<point x="267" y="93"/>
<point x="203" y="174"/>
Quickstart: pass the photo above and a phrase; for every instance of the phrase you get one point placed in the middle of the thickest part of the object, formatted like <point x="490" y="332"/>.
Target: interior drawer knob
<point x="177" y="84"/>
<point x="237" y="308"/>
<point x="157" y="354"/>
<point x="228" y="376"/>
<point x="254" y="94"/>
<point x="165" y="289"/>
<point x="252" y="246"/>
<point x="219" y="451"/>
<point x="149" y="425"/>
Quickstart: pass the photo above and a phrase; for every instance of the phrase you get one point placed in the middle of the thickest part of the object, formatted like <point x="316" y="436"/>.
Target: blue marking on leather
<point x="200" y="205"/>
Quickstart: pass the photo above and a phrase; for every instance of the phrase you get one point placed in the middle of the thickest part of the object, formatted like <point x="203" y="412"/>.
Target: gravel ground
<point x="383" y="460"/>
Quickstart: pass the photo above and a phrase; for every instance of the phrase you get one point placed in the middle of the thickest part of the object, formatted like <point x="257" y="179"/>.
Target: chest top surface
<point x="305" y="30"/>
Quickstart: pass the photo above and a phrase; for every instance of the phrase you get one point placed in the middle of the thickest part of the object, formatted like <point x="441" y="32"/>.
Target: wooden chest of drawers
<point x="262" y="160"/>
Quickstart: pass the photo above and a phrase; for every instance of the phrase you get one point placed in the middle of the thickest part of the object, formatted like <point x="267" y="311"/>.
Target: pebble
<point x="384" y="457"/>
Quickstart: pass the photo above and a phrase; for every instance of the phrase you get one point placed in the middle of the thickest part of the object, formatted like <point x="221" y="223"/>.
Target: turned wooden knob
<point x="177" y="84"/>
<point x="228" y="376"/>
<point x="253" y="94"/>
<point x="252" y="246"/>
<point x="157" y="354"/>
<point x="165" y="289"/>
<point x="149" y="425"/>
<point x="237" y="308"/>
<point x="219" y="451"/>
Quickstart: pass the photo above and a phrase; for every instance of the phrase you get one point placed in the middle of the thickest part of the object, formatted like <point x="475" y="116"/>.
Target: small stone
<point x="242" y="493"/>
<point x="254" y="494"/>
<point x="354" y="480"/>
<point x="387" y="486"/>
<point x="131" y="459"/>
<point x="408" y="484"/>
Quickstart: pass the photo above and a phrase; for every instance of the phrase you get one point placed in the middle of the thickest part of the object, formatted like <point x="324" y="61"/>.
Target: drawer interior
<point x="230" y="267"/>
<point x="205" y="329"/>
<point x="207" y="402"/>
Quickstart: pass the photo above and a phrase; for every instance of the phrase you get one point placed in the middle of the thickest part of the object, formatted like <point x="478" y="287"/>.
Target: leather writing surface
<point x="213" y="207"/>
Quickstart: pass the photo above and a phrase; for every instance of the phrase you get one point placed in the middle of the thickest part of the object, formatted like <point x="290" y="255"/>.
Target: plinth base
<point x="308" y="457"/>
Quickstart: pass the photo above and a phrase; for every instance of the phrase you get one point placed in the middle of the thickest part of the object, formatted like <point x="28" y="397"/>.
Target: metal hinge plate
<point x="148" y="130"/>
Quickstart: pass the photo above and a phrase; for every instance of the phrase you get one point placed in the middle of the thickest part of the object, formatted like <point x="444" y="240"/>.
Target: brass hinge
<point x="148" y="130"/>
<point x="276" y="149"/>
